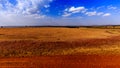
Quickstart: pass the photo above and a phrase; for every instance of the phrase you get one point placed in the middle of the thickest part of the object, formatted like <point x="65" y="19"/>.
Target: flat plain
<point x="59" y="47"/>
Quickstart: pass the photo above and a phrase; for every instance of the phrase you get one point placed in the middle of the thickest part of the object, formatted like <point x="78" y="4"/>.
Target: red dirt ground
<point x="78" y="61"/>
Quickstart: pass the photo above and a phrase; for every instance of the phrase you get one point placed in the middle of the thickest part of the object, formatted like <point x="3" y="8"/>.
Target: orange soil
<point x="78" y="61"/>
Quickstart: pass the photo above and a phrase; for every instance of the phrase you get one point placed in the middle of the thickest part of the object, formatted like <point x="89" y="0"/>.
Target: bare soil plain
<point x="59" y="47"/>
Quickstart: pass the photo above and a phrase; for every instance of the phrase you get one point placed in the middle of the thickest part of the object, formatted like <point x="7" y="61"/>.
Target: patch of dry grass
<point x="55" y="34"/>
<point x="37" y="48"/>
<point x="58" y="41"/>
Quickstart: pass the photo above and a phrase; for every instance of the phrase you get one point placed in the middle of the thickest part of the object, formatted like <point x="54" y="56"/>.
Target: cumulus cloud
<point x="94" y="13"/>
<point x="28" y="10"/>
<point x="73" y="10"/>
<point x="76" y="10"/>
<point x="91" y="13"/>
<point x="66" y="14"/>
<point x="100" y="13"/>
<point x="84" y="11"/>
<point x="106" y="14"/>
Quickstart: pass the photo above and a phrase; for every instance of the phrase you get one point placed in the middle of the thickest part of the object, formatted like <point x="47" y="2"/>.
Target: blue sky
<point x="59" y="12"/>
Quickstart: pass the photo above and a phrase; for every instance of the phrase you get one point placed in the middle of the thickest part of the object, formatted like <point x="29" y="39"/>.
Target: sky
<point x="59" y="12"/>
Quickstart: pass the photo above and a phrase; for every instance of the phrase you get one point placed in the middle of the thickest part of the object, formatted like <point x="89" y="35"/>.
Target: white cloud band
<point x="28" y="10"/>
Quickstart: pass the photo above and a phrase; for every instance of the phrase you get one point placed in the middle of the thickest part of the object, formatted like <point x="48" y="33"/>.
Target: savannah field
<point x="60" y="47"/>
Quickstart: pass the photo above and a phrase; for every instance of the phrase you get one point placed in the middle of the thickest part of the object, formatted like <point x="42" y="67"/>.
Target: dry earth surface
<point x="59" y="47"/>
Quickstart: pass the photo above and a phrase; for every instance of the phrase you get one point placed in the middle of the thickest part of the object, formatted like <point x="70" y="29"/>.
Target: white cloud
<point x="46" y="6"/>
<point x="94" y="13"/>
<point x="91" y="13"/>
<point x="84" y="11"/>
<point x="73" y="10"/>
<point x="23" y="9"/>
<point x="100" y="13"/>
<point x="106" y="14"/>
<point x="66" y="14"/>
<point x="112" y="7"/>
<point x="101" y="7"/>
<point x="76" y="10"/>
